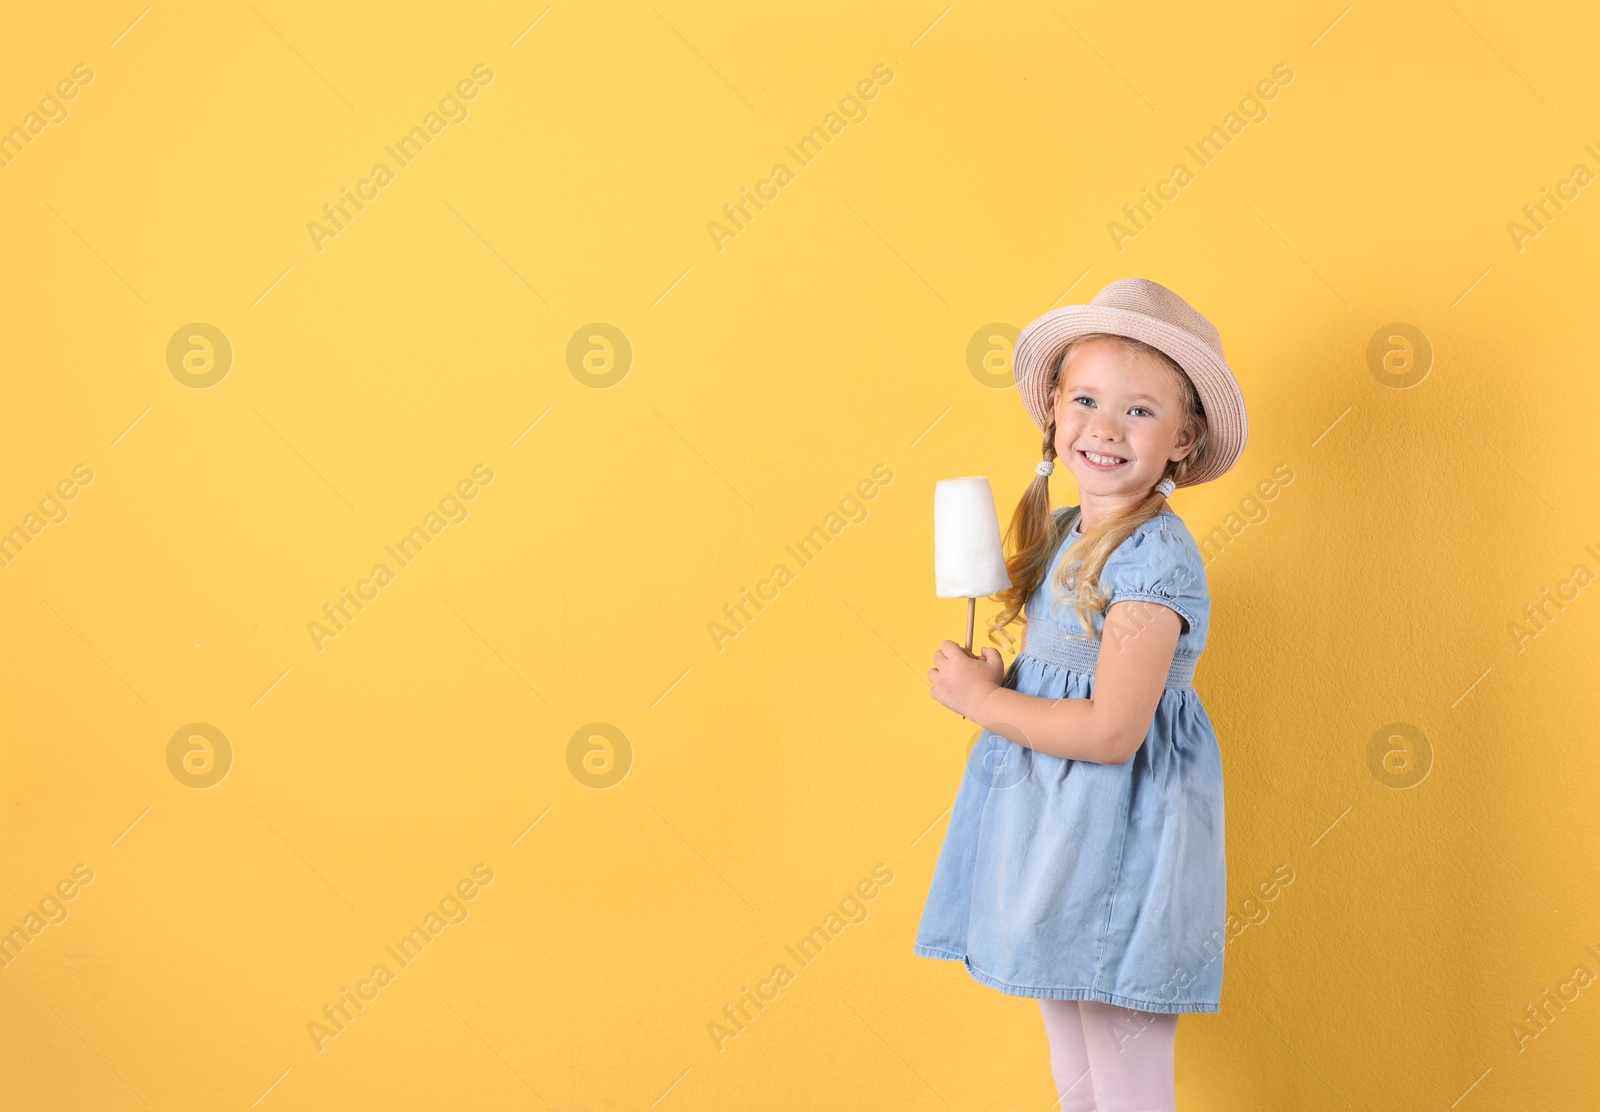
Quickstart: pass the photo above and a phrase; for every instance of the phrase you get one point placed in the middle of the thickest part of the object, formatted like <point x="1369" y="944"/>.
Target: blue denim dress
<point x="1071" y="880"/>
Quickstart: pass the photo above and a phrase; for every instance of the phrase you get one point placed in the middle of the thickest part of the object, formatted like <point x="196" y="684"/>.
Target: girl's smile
<point x="1119" y="421"/>
<point x="1112" y="599"/>
<point x="1102" y="461"/>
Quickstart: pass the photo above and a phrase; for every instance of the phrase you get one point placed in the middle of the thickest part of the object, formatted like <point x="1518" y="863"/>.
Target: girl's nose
<point x="1104" y="426"/>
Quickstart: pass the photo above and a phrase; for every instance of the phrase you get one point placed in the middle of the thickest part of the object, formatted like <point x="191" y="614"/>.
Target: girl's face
<point x="1119" y="420"/>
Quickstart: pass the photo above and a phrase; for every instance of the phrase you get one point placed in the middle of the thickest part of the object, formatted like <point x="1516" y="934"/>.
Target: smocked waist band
<point x="1052" y="643"/>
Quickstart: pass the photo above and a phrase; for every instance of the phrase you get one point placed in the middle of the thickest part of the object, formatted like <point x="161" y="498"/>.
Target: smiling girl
<point x="1084" y="865"/>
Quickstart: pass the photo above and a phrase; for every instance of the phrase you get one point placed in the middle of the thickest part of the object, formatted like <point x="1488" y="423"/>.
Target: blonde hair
<point x="1034" y="534"/>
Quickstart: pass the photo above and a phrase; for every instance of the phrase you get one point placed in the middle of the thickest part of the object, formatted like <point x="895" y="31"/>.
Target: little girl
<point x="1084" y="864"/>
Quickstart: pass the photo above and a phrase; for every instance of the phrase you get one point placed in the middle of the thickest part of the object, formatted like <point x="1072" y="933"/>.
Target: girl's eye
<point x="1136" y="409"/>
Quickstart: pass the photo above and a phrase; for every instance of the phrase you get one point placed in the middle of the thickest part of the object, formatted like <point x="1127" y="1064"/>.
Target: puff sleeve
<point x="1159" y="565"/>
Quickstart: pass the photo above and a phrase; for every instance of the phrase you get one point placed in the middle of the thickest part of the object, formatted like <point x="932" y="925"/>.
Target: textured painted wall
<point x="417" y="693"/>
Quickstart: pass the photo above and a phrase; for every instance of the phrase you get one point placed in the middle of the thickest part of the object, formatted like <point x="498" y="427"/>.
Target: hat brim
<point x="1039" y="344"/>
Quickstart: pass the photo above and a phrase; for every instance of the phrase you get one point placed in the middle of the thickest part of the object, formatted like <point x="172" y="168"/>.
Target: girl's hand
<point x="962" y="681"/>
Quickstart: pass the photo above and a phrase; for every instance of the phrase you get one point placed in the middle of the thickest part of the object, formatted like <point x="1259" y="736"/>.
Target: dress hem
<point x="1069" y="992"/>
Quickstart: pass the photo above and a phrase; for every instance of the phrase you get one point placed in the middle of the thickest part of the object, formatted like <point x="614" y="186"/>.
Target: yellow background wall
<point x="538" y="695"/>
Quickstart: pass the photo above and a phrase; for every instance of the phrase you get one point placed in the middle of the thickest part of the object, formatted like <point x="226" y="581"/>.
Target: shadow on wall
<point x="1378" y="697"/>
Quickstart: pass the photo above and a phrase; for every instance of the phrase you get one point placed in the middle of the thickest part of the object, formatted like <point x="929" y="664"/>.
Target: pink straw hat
<point x="1147" y="311"/>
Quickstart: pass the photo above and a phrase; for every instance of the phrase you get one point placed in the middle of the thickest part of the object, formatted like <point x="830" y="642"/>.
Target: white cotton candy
<point x="968" y="559"/>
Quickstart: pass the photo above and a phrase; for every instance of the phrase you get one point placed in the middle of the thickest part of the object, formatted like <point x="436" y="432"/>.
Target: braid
<point x="1033" y="536"/>
<point x="1079" y="577"/>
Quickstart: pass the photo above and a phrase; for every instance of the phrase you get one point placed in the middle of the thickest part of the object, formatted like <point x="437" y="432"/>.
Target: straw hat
<point x="1147" y="311"/>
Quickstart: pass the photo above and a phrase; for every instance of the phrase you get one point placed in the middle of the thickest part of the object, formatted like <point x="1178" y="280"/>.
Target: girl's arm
<point x="1136" y="651"/>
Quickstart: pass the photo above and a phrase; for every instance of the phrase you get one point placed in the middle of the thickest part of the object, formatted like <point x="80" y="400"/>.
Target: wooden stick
<point x="972" y="613"/>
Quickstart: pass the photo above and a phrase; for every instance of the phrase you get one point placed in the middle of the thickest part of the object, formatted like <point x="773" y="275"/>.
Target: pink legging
<point x="1107" y="1058"/>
